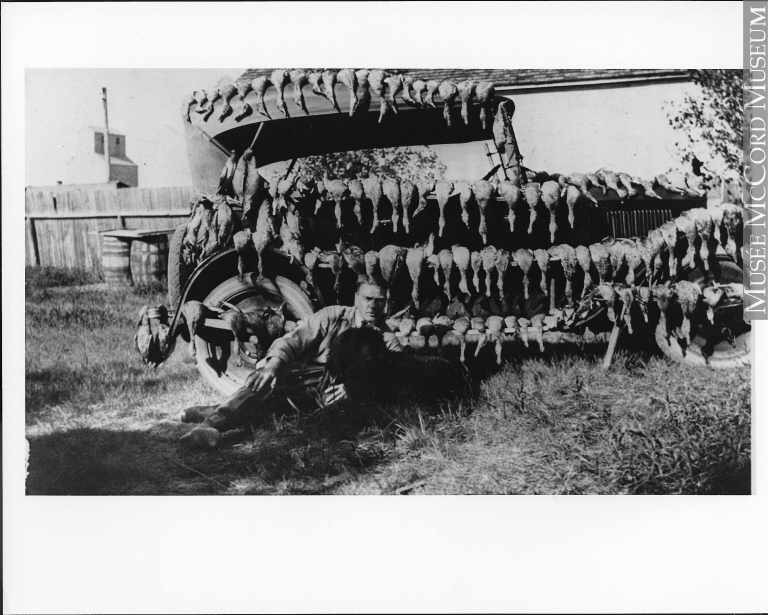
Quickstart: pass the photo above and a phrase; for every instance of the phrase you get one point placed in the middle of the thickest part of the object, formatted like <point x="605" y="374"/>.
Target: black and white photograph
<point x="390" y="277"/>
<point x="388" y="281"/>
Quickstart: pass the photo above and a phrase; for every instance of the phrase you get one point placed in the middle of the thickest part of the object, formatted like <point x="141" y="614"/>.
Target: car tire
<point x="214" y="357"/>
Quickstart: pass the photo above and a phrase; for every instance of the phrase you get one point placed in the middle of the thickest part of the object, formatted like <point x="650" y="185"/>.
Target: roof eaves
<point x="591" y="84"/>
<point x="504" y="78"/>
<point x="112" y="132"/>
<point x="119" y="160"/>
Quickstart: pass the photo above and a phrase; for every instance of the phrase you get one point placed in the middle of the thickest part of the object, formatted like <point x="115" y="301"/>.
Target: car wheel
<point x="215" y="359"/>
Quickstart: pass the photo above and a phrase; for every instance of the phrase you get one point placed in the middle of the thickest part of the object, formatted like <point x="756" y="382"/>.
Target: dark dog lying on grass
<point x="369" y="371"/>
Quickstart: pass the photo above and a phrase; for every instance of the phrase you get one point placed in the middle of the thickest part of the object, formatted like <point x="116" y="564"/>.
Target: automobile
<point x="237" y="122"/>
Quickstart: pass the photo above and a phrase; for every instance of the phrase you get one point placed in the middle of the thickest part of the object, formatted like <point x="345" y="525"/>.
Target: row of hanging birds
<point x="618" y="299"/>
<point x="715" y="225"/>
<point x="408" y="199"/>
<point x="360" y="84"/>
<point x="688" y="295"/>
<point x="607" y="256"/>
<point x="612" y="259"/>
<point x="481" y="328"/>
<point x="268" y="324"/>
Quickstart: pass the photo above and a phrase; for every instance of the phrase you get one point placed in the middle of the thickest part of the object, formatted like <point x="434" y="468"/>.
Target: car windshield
<point x="448" y="161"/>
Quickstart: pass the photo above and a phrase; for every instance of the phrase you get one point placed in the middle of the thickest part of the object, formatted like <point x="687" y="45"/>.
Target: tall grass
<point x="36" y="278"/>
<point x="99" y="422"/>
<point x="559" y="424"/>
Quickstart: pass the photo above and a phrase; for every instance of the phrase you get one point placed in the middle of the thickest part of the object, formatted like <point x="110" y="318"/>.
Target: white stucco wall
<point x="90" y="168"/>
<point x="624" y="129"/>
<point x="85" y="168"/>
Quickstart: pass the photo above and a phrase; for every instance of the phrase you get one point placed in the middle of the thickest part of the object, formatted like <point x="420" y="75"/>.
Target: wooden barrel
<point x="116" y="261"/>
<point x="149" y="259"/>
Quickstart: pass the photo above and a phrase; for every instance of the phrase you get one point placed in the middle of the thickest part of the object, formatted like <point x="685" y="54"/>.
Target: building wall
<point x="90" y="168"/>
<point x="623" y="129"/>
<point x="128" y="174"/>
<point x="86" y="168"/>
<point x="116" y="144"/>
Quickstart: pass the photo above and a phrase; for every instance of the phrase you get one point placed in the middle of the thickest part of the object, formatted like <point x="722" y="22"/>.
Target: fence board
<point x="155" y="223"/>
<point x="76" y="242"/>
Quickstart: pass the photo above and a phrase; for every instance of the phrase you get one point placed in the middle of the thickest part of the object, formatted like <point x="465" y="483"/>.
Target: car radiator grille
<point x="637" y="223"/>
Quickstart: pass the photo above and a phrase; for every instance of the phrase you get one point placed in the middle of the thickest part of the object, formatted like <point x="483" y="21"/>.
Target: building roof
<point x="69" y="187"/>
<point x="119" y="160"/>
<point x="112" y="131"/>
<point x="527" y="77"/>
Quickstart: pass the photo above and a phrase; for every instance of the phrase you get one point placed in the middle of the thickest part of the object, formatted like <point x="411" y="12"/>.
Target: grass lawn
<point x="98" y="422"/>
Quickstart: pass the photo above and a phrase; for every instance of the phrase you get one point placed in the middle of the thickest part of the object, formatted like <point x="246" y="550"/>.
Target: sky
<point x="143" y="104"/>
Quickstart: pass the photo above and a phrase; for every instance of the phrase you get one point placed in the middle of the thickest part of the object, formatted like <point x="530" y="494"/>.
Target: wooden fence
<point x="63" y="227"/>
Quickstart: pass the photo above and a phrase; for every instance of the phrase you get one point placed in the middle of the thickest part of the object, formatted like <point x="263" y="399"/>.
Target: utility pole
<point x="106" y="134"/>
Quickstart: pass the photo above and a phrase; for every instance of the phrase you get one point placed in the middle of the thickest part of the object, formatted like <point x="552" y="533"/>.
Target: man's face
<point x="370" y="302"/>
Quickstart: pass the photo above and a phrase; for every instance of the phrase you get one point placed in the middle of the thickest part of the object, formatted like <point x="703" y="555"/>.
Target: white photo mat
<point x="363" y="554"/>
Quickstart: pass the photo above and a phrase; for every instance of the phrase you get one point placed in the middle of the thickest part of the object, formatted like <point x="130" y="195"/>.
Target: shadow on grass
<point x="309" y="454"/>
<point x="60" y="385"/>
<point x="88" y="461"/>
<point x="321" y="452"/>
<point x="738" y="482"/>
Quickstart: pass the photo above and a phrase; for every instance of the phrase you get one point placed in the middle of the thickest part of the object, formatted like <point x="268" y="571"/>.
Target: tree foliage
<point x="712" y="121"/>
<point x="413" y="163"/>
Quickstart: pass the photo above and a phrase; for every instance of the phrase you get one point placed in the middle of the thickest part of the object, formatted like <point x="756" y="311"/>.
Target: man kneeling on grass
<point x="293" y="370"/>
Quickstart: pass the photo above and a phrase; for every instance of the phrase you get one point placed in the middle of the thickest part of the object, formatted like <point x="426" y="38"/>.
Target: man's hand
<point x="334" y="394"/>
<point x="265" y="376"/>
